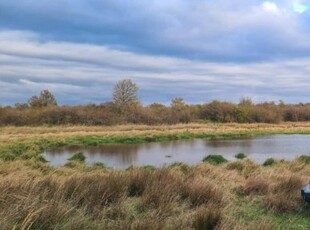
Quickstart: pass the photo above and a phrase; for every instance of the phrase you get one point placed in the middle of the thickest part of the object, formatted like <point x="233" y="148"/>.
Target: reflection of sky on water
<point x="189" y="151"/>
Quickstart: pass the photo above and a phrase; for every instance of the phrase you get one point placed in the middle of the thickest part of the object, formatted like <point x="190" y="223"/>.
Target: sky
<point x="200" y="50"/>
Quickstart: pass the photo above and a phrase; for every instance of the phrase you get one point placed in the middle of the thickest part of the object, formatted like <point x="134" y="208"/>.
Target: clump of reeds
<point x="35" y="196"/>
<point x="256" y="185"/>
<point x="78" y="157"/>
<point x="201" y="191"/>
<point x="207" y="218"/>
<point x="284" y="195"/>
<point x="269" y="162"/>
<point x="215" y="159"/>
<point x="240" y="156"/>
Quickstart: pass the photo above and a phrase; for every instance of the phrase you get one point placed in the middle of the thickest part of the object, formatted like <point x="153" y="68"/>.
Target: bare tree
<point x="125" y="93"/>
<point x="45" y="99"/>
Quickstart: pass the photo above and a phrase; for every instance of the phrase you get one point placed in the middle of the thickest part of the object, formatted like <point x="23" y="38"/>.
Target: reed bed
<point x="12" y="133"/>
<point x="207" y="196"/>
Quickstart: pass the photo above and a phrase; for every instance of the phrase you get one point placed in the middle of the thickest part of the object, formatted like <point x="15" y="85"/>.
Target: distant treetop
<point x="45" y="99"/>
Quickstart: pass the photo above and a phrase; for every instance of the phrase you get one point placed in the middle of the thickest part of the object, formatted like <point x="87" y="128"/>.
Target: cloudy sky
<point x="200" y="50"/>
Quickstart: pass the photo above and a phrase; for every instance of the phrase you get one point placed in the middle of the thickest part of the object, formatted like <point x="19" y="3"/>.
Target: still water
<point x="121" y="156"/>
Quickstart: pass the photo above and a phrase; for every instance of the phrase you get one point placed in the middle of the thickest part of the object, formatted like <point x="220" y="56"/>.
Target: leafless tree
<point x="125" y="93"/>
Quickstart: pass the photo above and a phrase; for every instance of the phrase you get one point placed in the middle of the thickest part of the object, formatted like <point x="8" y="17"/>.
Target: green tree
<point x="125" y="93"/>
<point x="45" y="99"/>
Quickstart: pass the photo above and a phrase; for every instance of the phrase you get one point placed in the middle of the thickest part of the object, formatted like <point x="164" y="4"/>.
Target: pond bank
<point x="29" y="142"/>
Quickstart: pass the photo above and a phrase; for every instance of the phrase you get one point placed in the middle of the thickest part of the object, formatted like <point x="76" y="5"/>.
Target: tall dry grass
<point x="35" y="196"/>
<point x="11" y="133"/>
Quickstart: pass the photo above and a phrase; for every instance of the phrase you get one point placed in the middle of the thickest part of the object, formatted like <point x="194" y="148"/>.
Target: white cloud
<point x="271" y="7"/>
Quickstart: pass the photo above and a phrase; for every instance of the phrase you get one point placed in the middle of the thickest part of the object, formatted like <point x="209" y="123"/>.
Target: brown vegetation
<point x="35" y="196"/>
<point x="126" y="109"/>
<point x="10" y="134"/>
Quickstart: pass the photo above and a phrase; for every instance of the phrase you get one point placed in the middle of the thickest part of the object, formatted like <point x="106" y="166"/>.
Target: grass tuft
<point x="78" y="157"/>
<point x="304" y="158"/>
<point x="269" y="162"/>
<point x="215" y="159"/>
<point x="207" y="218"/>
<point x="240" y="156"/>
<point x="256" y="185"/>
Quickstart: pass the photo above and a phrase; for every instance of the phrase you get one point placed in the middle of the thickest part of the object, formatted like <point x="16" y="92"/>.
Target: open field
<point x="235" y="195"/>
<point x="10" y="133"/>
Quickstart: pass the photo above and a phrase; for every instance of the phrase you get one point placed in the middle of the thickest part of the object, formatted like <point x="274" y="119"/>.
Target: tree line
<point x="126" y="108"/>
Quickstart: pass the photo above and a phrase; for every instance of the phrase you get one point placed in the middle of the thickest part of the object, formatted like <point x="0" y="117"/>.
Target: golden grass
<point x="34" y="196"/>
<point x="8" y="134"/>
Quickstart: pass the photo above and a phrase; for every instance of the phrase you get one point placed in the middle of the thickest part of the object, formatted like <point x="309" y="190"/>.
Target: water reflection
<point x="189" y="151"/>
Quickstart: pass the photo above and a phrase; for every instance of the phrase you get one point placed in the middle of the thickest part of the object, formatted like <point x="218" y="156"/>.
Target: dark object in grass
<point x="78" y="157"/>
<point x="240" y="156"/>
<point x="269" y="162"/>
<point x="305" y="193"/>
<point x="215" y="159"/>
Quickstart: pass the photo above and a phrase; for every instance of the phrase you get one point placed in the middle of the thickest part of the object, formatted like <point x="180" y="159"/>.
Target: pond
<point x="121" y="156"/>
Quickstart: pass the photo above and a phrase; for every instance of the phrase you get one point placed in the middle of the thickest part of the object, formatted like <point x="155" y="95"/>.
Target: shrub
<point x="215" y="159"/>
<point x="269" y="162"/>
<point x="78" y="157"/>
<point x="240" y="156"/>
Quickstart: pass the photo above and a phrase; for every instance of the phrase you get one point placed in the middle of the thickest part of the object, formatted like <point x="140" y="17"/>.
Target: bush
<point x="240" y="156"/>
<point x="78" y="157"/>
<point x="269" y="162"/>
<point x="215" y="159"/>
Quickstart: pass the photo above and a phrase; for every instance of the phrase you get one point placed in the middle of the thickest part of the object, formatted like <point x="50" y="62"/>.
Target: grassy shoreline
<point x="29" y="142"/>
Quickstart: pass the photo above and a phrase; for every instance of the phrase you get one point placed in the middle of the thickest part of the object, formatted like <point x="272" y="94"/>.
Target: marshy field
<point x="214" y="194"/>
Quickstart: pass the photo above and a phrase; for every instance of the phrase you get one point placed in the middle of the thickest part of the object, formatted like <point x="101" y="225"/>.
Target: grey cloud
<point x="83" y="73"/>
<point x="220" y="31"/>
